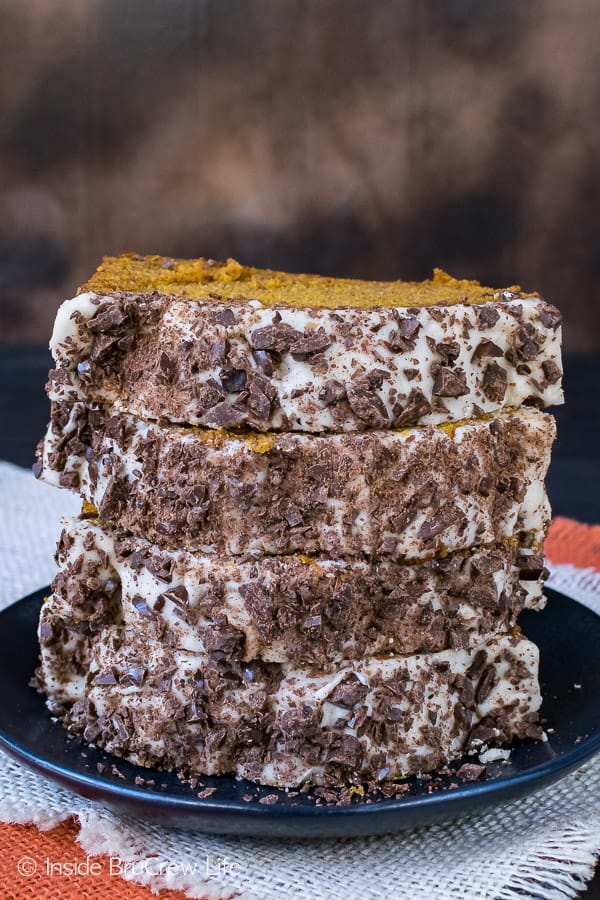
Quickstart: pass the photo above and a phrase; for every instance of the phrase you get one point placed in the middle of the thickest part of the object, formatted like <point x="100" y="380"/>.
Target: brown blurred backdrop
<point x="336" y="136"/>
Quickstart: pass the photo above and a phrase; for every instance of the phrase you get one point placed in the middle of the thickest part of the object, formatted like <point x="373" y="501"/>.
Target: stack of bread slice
<point x="313" y="511"/>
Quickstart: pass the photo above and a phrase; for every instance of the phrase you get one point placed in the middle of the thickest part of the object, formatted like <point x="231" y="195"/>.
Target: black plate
<point x="567" y="633"/>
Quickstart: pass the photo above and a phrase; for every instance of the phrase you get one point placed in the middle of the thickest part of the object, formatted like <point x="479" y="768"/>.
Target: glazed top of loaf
<point x="232" y="282"/>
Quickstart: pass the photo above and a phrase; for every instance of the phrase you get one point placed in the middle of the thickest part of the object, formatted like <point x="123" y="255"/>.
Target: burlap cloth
<point x="544" y="846"/>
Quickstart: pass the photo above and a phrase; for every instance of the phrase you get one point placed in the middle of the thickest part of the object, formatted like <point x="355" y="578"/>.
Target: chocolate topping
<point x="366" y="403"/>
<point x="450" y="383"/>
<point x="487" y="316"/>
<point x="349" y="494"/>
<point x="310" y="342"/>
<point x="349" y="692"/>
<point x="550" y="317"/>
<point x="168" y="358"/>
<point x="274" y="337"/>
<point x="495" y="381"/>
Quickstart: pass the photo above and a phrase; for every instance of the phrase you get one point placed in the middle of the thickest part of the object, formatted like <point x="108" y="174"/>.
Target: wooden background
<point x="375" y="139"/>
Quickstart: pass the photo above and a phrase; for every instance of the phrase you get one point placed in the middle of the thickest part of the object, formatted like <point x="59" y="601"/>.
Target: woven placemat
<point x="544" y="846"/>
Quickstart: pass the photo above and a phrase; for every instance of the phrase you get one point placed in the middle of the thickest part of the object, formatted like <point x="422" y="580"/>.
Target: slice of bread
<point x="231" y="347"/>
<point x="135" y="691"/>
<point x="391" y="494"/>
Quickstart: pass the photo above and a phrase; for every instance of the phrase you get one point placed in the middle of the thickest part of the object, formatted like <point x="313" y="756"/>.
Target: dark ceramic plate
<point x="567" y="633"/>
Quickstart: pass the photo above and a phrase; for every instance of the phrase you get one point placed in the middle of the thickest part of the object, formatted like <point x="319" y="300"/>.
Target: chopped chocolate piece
<point x="298" y="722"/>
<point x="310" y="342"/>
<point x="264" y="361"/>
<point x="274" y="337"/>
<point x="487" y="316"/>
<point x="105" y="678"/>
<point x="552" y="372"/>
<point x="166" y="366"/>
<point x="409" y="327"/>
<point x="495" y="381"/>
<point x="404" y="337"/>
<point x="332" y="392"/>
<point x="487" y="683"/>
<point x="46" y="632"/>
<point x="225" y="317"/>
<point x="109" y="316"/>
<point x="177" y="594"/>
<point x="133" y="675"/>
<point x="531" y="567"/>
<point x="438" y="523"/>
<point x="527" y="342"/>
<point x="225" y="416"/>
<point x="450" y="383"/>
<point x="347" y="751"/>
<point x="463" y="716"/>
<point x="160" y="566"/>
<point x="487" y="348"/>
<point x="471" y="772"/>
<point x="449" y="352"/>
<point x="349" y="692"/>
<point x="218" y="353"/>
<point x="550" y="317"/>
<point x="206" y="793"/>
<point x="233" y="380"/>
<point x="209" y="394"/>
<point x="415" y="407"/>
<point x="222" y="636"/>
<point x="262" y="396"/>
<point x="367" y="404"/>
<point x="141" y="606"/>
<point x="121" y="733"/>
<point x="478" y="665"/>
